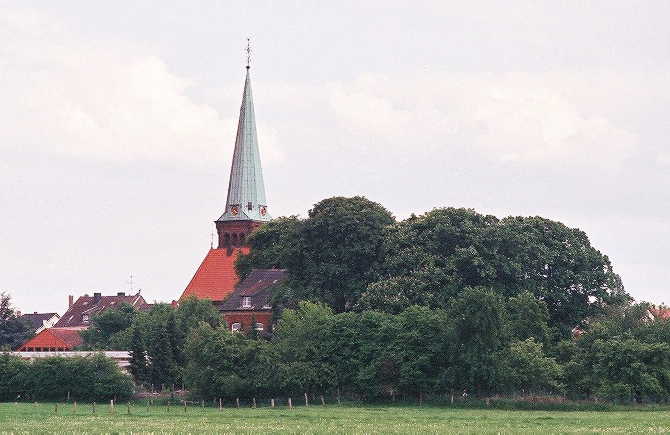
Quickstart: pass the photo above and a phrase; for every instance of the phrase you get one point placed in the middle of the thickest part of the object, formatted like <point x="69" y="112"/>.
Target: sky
<point x="117" y="126"/>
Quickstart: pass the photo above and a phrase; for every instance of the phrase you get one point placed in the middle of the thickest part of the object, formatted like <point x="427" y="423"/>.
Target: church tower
<point x="246" y="209"/>
<point x="246" y="205"/>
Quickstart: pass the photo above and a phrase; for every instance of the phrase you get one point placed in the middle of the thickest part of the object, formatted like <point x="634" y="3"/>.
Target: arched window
<point x="235" y="327"/>
<point x="258" y="326"/>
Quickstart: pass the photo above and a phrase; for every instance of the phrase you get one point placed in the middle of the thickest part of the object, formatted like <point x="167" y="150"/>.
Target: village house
<point x="64" y="334"/>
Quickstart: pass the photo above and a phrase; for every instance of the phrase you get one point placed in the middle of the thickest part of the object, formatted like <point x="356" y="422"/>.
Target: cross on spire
<point x="248" y="50"/>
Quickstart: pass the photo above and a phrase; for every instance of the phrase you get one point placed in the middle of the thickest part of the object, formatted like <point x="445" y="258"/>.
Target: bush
<point x="91" y="378"/>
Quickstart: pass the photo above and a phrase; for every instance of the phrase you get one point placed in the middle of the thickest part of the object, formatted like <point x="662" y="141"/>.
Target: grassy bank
<point x="317" y="419"/>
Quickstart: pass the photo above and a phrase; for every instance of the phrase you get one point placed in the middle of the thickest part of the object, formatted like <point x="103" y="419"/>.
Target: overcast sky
<point x="117" y="125"/>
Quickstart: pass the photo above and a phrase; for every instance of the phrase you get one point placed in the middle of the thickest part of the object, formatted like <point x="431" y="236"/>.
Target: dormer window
<point x="250" y="206"/>
<point x="235" y="327"/>
<point x="246" y="302"/>
<point x="84" y="318"/>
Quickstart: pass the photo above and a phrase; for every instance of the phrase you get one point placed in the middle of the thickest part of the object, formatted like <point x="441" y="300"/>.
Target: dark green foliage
<point x="432" y="258"/>
<point x="107" y="328"/>
<point x="331" y="256"/>
<point x="89" y="378"/>
<point x="222" y="364"/>
<point x="139" y="364"/>
<point x="13" y="331"/>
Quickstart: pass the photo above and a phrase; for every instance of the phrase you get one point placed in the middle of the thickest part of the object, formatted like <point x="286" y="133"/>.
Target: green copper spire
<point x="246" y="190"/>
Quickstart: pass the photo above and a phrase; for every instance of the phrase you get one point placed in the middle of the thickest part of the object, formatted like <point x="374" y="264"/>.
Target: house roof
<point x="660" y="313"/>
<point x="216" y="277"/>
<point x="36" y="320"/>
<point x="91" y="305"/>
<point x="258" y="286"/>
<point x="55" y="337"/>
<point x="246" y="189"/>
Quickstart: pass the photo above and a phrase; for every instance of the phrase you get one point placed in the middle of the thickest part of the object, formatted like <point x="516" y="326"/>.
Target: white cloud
<point x="517" y="118"/>
<point x="63" y="95"/>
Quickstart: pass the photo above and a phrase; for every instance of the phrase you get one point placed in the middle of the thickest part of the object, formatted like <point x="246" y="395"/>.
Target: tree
<point x="301" y="338"/>
<point x="479" y="319"/>
<point x="106" y="325"/>
<point x="13" y="331"/>
<point x="138" y="358"/>
<point x="432" y="258"/>
<point x="159" y="350"/>
<point x="331" y="256"/>
<point x="525" y="367"/>
<point x="423" y="348"/>
<point x="528" y="318"/>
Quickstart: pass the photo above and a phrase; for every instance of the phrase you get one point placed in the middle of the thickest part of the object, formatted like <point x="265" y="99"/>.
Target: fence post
<point x="323" y="401"/>
<point x="111" y="406"/>
<point x="93" y="407"/>
<point x="56" y="408"/>
<point x="290" y="404"/>
<point x="254" y="403"/>
<point x="272" y="403"/>
<point x="237" y="402"/>
<point x="306" y="400"/>
<point x="75" y="406"/>
<point x="68" y="396"/>
<point x="128" y="405"/>
<point x="220" y="404"/>
<point x="184" y="401"/>
<point x="338" y="396"/>
<point x="202" y="403"/>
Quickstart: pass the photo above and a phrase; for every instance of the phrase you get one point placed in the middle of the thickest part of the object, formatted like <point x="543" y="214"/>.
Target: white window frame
<point x="246" y="301"/>
<point x="236" y="327"/>
<point x="258" y="326"/>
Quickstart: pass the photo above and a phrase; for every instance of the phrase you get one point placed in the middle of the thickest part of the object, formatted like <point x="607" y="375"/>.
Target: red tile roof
<point x="661" y="313"/>
<point x="91" y="305"/>
<point x="66" y="339"/>
<point x="216" y="277"/>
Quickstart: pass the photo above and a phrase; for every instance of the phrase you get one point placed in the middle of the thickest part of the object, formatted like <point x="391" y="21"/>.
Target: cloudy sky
<point x="117" y="123"/>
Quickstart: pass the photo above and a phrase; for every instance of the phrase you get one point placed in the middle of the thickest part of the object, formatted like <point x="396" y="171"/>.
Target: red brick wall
<point x="230" y="231"/>
<point x="247" y="317"/>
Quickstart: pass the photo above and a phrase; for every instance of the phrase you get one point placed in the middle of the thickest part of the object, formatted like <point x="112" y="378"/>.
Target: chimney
<point x="35" y="312"/>
<point x="96" y="297"/>
<point x="70" y="301"/>
<point x="121" y="294"/>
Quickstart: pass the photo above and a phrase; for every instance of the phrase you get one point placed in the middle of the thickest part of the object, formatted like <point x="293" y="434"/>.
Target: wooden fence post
<point x="323" y="401"/>
<point x="93" y="407"/>
<point x="254" y="403"/>
<point x="184" y="401"/>
<point x="75" y="406"/>
<point x="56" y="408"/>
<point x="338" y="396"/>
<point x="111" y="406"/>
<point x="272" y="403"/>
<point x="237" y="402"/>
<point x="202" y="403"/>
<point x="306" y="400"/>
<point x="220" y="404"/>
<point x="128" y="405"/>
<point x="290" y="404"/>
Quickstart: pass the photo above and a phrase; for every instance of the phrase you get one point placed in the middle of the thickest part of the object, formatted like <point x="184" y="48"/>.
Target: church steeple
<point x="246" y="204"/>
<point x="246" y="190"/>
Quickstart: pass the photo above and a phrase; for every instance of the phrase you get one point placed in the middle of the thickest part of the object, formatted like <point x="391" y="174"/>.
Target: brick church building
<point x="246" y="304"/>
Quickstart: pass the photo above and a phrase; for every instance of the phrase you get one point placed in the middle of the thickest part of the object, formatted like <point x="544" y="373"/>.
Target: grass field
<point x="24" y="418"/>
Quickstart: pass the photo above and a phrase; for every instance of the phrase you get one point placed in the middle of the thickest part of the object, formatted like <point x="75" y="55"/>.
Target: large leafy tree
<point x="331" y="256"/>
<point x="432" y="258"/>
<point x="13" y="331"/>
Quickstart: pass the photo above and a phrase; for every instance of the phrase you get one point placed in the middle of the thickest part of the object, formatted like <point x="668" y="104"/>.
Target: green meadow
<point x="30" y="418"/>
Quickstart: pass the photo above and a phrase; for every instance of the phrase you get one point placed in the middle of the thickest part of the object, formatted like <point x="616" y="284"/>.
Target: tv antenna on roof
<point x="130" y="282"/>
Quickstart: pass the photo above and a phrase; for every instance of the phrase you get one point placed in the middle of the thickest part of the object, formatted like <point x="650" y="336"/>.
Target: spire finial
<point x="248" y="50"/>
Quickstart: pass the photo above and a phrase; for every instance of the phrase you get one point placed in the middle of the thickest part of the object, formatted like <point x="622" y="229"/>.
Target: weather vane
<point x="248" y="50"/>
